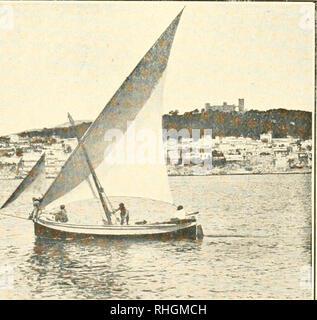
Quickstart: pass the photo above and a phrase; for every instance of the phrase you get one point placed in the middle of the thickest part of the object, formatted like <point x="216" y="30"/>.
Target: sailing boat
<point x="136" y="104"/>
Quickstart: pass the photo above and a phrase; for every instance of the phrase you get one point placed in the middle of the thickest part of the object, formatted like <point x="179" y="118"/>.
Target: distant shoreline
<point x="208" y="175"/>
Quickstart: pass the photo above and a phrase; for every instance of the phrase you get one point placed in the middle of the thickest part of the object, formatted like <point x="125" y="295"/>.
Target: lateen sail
<point x="129" y="177"/>
<point x="121" y="110"/>
<point x="34" y="183"/>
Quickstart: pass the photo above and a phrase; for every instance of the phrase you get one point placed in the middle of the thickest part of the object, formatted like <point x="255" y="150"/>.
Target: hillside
<point x="63" y="131"/>
<point x="252" y="123"/>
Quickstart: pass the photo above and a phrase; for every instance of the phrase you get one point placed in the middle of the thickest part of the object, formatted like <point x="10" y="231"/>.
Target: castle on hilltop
<point x="226" y="107"/>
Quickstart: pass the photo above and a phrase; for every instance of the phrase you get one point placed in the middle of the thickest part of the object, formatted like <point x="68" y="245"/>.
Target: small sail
<point x="33" y="184"/>
<point x="120" y="111"/>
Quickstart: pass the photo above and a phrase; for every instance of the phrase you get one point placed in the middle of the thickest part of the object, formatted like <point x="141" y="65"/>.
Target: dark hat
<point x="179" y="207"/>
<point x="62" y="206"/>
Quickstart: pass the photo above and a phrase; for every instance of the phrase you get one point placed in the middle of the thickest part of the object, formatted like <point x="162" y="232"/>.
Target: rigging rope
<point x="110" y="205"/>
<point x="10" y="215"/>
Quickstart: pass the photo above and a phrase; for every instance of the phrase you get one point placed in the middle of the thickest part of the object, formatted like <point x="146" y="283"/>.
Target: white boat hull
<point x="184" y="229"/>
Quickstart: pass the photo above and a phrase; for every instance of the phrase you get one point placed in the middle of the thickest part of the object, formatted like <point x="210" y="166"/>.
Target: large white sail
<point x="135" y="167"/>
<point x="134" y="94"/>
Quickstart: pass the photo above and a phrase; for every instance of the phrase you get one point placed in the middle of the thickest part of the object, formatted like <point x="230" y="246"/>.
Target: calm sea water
<point x="257" y="244"/>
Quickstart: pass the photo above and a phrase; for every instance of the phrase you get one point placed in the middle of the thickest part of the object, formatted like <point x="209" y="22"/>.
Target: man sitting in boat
<point x="124" y="213"/>
<point x="61" y="216"/>
<point x="180" y="213"/>
<point x="36" y="208"/>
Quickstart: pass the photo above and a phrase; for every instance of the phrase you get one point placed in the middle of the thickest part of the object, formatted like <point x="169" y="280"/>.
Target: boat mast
<point x="93" y="173"/>
<point x="78" y="139"/>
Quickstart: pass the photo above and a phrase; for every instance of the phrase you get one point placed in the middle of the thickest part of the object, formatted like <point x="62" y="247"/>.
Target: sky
<point x="72" y="56"/>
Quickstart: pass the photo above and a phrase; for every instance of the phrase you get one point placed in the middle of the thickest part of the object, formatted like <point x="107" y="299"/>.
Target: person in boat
<point x="61" y="216"/>
<point x="124" y="213"/>
<point x="36" y="209"/>
<point x="180" y="213"/>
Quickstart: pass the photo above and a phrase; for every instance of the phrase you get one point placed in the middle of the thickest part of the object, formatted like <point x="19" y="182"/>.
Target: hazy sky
<point x="71" y="57"/>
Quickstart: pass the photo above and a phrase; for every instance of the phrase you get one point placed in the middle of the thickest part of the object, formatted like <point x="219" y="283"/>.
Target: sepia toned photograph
<point x="157" y="150"/>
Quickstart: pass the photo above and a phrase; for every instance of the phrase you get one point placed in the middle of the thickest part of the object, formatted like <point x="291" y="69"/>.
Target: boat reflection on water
<point x="87" y="267"/>
<point x="105" y="268"/>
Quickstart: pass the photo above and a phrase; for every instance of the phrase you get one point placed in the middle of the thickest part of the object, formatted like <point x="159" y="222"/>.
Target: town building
<point x="226" y="107"/>
<point x="266" y="137"/>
